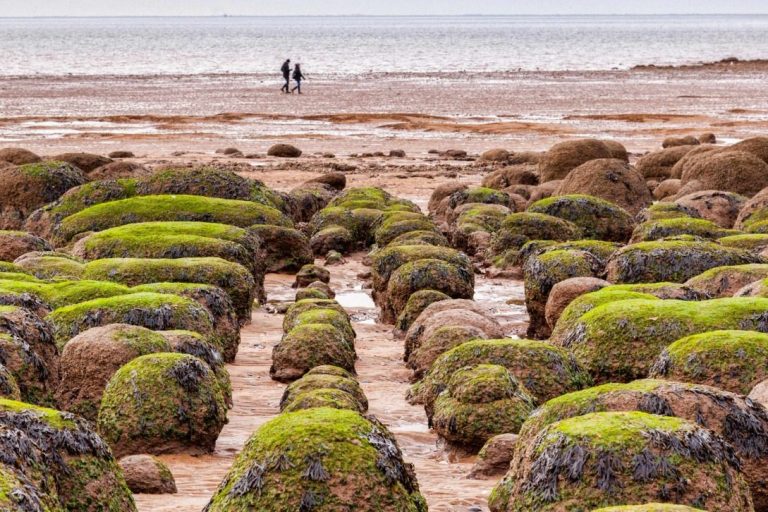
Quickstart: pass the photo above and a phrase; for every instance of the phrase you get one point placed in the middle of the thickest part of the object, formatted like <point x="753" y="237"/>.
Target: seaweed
<point x="251" y="480"/>
<point x="189" y="373"/>
<point x="315" y="470"/>
<point x="654" y="404"/>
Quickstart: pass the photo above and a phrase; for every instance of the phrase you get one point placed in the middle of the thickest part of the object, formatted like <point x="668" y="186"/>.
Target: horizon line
<point x="465" y="15"/>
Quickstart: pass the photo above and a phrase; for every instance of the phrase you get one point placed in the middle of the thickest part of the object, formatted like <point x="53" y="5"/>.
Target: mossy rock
<point x="18" y="493"/>
<point x="587" y="302"/>
<point x="311" y="273"/>
<point x="162" y="403"/>
<point x="151" y="310"/>
<point x="653" y="262"/>
<point x="360" y="222"/>
<point x="663" y="290"/>
<point x="320" y="459"/>
<point x="307" y="346"/>
<point x="417" y="303"/>
<point x="597" y="248"/>
<point x="541" y="273"/>
<point x="480" y="195"/>
<point x="45" y="221"/>
<point x="313" y="381"/>
<point x="443" y="339"/>
<point x="661" y="211"/>
<point x="597" y="218"/>
<point x="92" y="357"/>
<point x="741" y="423"/>
<point x="309" y="198"/>
<point x="399" y="223"/>
<point x="170" y="240"/>
<point x="282" y="249"/>
<point x="15" y="243"/>
<point x="86" y="474"/>
<point x="310" y="293"/>
<point x="478" y="403"/>
<point x="332" y="238"/>
<point x="28" y="352"/>
<point x="635" y="332"/>
<point x="198" y="181"/>
<point x="52" y="266"/>
<point x="650" y="507"/>
<point x="195" y="344"/>
<point x="545" y="370"/>
<point x="457" y="282"/>
<point x="8" y="386"/>
<point x="665" y="228"/>
<point x="146" y="474"/>
<point x="387" y="260"/>
<point x="58" y="294"/>
<point x="226" y="325"/>
<point x="520" y="228"/>
<point x="377" y="197"/>
<point x="726" y="281"/>
<point x="169" y="208"/>
<point x="612" y="458"/>
<point x="420" y="237"/>
<point x="755" y="242"/>
<point x="330" y="316"/>
<point x="301" y="306"/>
<point x="233" y="278"/>
<point x="735" y="361"/>
<point x="324" y="397"/>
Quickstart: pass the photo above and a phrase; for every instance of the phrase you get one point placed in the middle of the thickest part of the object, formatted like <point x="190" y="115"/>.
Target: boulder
<point x="688" y="140"/>
<point x="562" y="158"/>
<point x="609" y="179"/>
<point x="494" y="457"/>
<point x="730" y="171"/>
<point x="86" y="162"/>
<point x="146" y="474"/>
<point x="659" y="164"/>
<point x="597" y="218"/>
<point x="284" y="151"/>
<point x="564" y="292"/>
<point x="18" y="156"/>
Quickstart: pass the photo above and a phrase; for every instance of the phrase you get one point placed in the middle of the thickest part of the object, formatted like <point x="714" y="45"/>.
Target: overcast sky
<point x="377" y="7"/>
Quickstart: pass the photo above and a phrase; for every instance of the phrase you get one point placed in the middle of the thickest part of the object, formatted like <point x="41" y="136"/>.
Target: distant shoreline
<point x="467" y="15"/>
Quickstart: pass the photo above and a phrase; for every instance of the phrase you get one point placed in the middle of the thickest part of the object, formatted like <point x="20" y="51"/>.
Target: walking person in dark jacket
<point x="297" y="77"/>
<point x="286" y="69"/>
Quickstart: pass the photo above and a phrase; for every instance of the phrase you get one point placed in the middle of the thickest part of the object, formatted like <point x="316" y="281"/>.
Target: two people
<point x="297" y="77"/>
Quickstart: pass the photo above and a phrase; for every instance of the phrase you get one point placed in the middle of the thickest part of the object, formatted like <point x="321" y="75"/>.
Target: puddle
<point x="355" y="299"/>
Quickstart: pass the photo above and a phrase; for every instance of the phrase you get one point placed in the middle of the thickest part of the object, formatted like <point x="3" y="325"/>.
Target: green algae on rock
<point x="313" y="381"/>
<point x="735" y="361"/>
<point x="519" y="228"/>
<point x="612" y="458"/>
<point x="599" y="219"/>
<point x="307" y="346"/>
<point x="162" y="403"/>
<point x="664" y="228"/>
<point x="417" y="303"/>
<point x="282" y="249"/>
<point x="726" y="281"/>
<point x="320" y="459"/>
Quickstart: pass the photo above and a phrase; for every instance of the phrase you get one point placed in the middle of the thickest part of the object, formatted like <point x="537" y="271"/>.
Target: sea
<point x="360" y="45"/>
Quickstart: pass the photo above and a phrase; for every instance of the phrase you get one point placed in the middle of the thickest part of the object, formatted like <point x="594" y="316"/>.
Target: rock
<point x="282" y="249"/>
<point x="146" y="474"/>
<point x="139" y="410"/>
<point x="708" y="138"/>
<point x="493" y="459"/>
<point x="609" y="179"/>
<point x="284" y="151"/>
<point x="307" y="346"/>
<point x="597" y="218"/>
<point x="668" y="229"/>
<point x="121" y="154"/>
<point x="86" y="162"/>
<point x="666" y="188"/>
<point x="229" y="151"/>
<point x="455" y="153"/>
<point x="620" y="440"/>
<point x="562" y="158"/>
<point x="728" y="281"/>
<point x="397" y="153"/>
<point x="688" y="140"/>
<point x="15" y="243"/>
<point x="757" y="146"/>
<point x="303" y="392"/>
<point x="730" y="171"/>
<point x="310" y="273"/>
<point x="334" y="258"/>
<point x="511" y="175"/>
<point x="564" y="292"/>
<point x="520" y="228"/>
<point x="18" y="156"/>
<point x="659" y="164"/>
<point x="441" y="192"/>
<point x="495" y="155"/>
<point x="119" y="169"/>
<point x="337" y="180"/>
<point x="616" y="149"/>
<point x="543" y="191"/>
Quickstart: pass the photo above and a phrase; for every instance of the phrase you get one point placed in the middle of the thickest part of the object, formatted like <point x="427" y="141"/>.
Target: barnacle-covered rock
<point x="479" y="402"/>
<point x="598" y="219"/>
<point x="162" y="403"/>
<point x="610" y="458"/>
<point x="320" y="459"/>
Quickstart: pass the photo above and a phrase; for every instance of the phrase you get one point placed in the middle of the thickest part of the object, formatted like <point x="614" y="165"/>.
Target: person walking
<point x="286" y="69"/>
<point x="297" y="77"/>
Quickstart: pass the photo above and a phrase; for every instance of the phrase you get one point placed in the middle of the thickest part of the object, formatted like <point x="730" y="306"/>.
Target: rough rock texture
<point x="146" y="474"/>
<point x="610" y="179"/>
<point x="720" y="207"/>
<point x="564" y="292"/>
<point x="731" y="171"/>
<point x="18" y="156"/>
<point x="284" y="151"/>
<point x="493" y="459"/>
<point x="659" y="164"/>
<point x="86" y="162"/>
<point x="15" y="243"/>
<point x="562" y="158"/>
<point x="598" y="219"/>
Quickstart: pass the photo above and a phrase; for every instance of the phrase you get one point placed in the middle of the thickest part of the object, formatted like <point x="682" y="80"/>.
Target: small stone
<point x="146" y="474"/>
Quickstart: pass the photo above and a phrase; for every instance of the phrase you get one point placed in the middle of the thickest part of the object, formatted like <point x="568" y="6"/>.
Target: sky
<point x="371" y="7"/>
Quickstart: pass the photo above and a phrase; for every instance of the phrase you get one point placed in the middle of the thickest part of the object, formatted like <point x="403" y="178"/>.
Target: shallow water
<point x="407" y="44"/>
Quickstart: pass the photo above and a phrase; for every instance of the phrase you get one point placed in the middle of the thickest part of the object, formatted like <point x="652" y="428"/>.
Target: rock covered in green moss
<point x="199" y="181"/>
<point x="424" y="274"/>
<point x="542" y="272"/>
<point x="741" y="422"/>
<point x="635" y="332"/>
<point x="310" y="293"/>
<point x="26" y="487"/>
<point x="420" y="237"/>
<point x="56" y="294"/>
<point x="726" y="281"/>
<point x="660" y="211"/>
<point x="162" y="403"/>
<point x="301" y="306"/>
<point x="598" y="218"/>
<point x="755" y="242"/>
<point x="546" y="371"/>
<point x="168" y="208"/>
<point x="283" y="249"/>
<point x="417" y="303"/>
<point x="479" y="402"/>
<point x="320" y="459"/>
<point x="30" y="186"/>
<point x="310" y="345"/>
<point x="360" y="222"/>
<point x="520" y="228"/>
<point x="146" y="474"/>
<point x="154" y="311"/>
<point x="8" y="386"/>
<point x="310" y="273"/>
<point x="85" y="473"/>
<point x="90" y="359"/>
<point x="666" y="228"/>
<point x="650" y="507"/>
<point x="610" y="458"/>
<point x="51" y="265"/>
<point x="732" y="360"/>
<point x="233" y="278"/>
<point x="319" y="315"/>
<point x="474" y="219"/>
<point x="397" y="223"/>
<point x="565" y="292"/>
<point x="718" y="206"/>
<point x="652" y="262"/>
<point x="299" y="394"/>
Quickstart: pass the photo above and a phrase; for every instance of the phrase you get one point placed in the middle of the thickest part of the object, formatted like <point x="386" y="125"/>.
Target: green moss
<point x="152" y="310"/>
<point x="282" y="249"/>
<point x="417" y="303"/>
<point x="333" y="398"/>
<point x="520" y="228"/>
<point x="665" y="228"/>
<point x="607" y="430"/>
<point x="52" y="267"/>
<point x="332" y="458"/>
<point x="732" y="360"/>
<point x="598" y="219"/>
<point x="397" y="223"/>
<point x="544" y="370"/>
<point x="650" y="507"/>
<point x="299" y="307"/>
<point x="314" y="381"/>
<point x="56" y="419"/>
<point x="420" y="237"/>
<point x="725" y="281"/>
<point x="387" y="260"/>
<point x="664" y="210"/>
<point x="328" y="369"/>
<point x="635" y="332"/>
<point x="233" y="278"/>
<point x="16" y="492"/>
<point x="160" y="403"/>
<point x="310" y="293"/>
<point x="750" y="242"/>
<point x="64" y="293"/>
<point x="12" y="268"/>
<point x="8" y="386"/>
<point x="653" y="262"/>
<point x="169" y="208"/>
<point x="309" y="345"/>
<point x="325" y="316"/>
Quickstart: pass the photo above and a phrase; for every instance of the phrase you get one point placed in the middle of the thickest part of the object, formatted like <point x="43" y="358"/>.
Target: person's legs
<point x="287" y="84"/>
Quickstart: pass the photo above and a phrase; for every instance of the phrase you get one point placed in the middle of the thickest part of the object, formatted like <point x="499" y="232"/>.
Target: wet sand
<point x="383" y="376"/>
